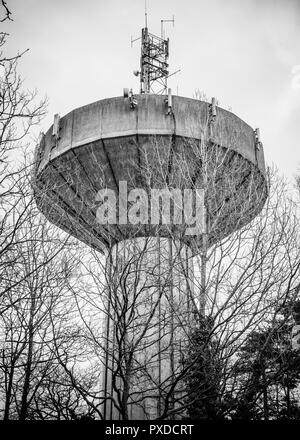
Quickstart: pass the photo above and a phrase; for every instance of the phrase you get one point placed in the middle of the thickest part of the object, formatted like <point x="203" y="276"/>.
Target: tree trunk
<point x="265" y="396"/>
<point x="26" y="385"/>
<point x="9" y="392"/>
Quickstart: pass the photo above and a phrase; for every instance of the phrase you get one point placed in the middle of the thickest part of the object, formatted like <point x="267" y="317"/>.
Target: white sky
<point x="243" y="52"/>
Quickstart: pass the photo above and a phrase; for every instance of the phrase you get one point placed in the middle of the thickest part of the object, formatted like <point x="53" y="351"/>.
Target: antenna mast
<point x="154" y="65"/>
<point x="146" y="25"/>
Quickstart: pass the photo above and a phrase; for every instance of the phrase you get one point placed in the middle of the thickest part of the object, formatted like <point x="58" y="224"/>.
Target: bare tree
<point x="19" y="114"/>
<point x="42" y="269"/>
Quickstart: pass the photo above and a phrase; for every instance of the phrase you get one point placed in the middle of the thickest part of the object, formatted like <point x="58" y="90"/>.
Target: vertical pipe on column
<point x="170" y="274"/>
<point x="159" y="328"/>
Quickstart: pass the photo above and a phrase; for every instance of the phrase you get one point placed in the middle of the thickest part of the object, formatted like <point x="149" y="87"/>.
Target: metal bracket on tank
<point x="258" y="143"/>
<point x="168" y="102"/>
<point x="212" y="108"/>
<point x="131" y="98"/>
<point x="39" y="150"/>
<point x="56" y="129"/>
<point x="40" y="138"/>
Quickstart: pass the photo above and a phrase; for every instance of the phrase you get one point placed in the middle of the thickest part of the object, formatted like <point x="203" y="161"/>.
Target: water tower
<point x="149" y="145"/>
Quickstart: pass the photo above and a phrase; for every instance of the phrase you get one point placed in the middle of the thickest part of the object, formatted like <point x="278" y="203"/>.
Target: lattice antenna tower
<point x="154" y="65"/>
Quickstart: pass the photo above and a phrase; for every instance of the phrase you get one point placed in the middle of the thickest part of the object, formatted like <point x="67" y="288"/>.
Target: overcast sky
<point x="246" y="53"/>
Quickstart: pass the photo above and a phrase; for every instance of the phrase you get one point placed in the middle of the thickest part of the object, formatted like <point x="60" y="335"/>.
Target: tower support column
<point x="150" y="308"/>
